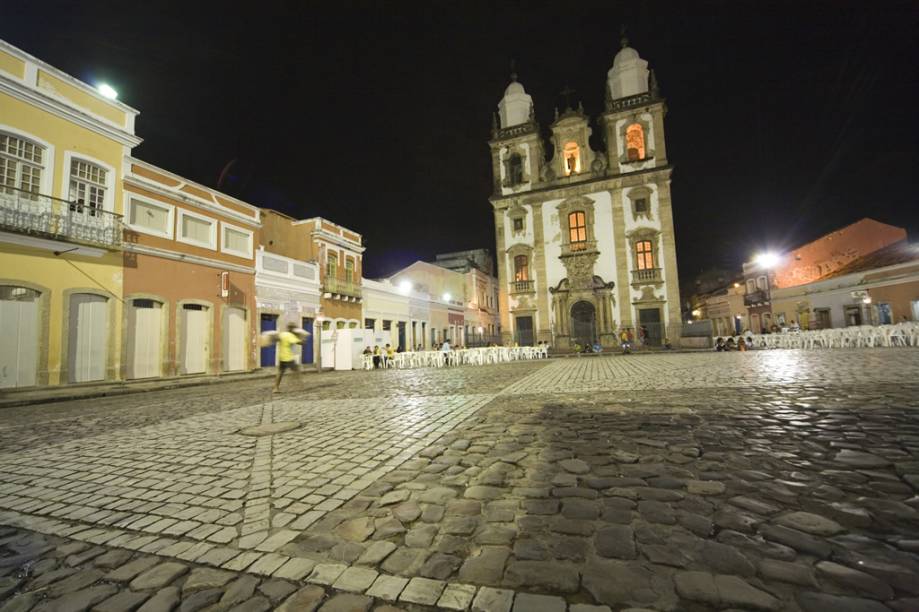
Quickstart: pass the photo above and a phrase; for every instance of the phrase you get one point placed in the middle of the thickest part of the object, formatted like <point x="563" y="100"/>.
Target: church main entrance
<point x="583" y="323"/>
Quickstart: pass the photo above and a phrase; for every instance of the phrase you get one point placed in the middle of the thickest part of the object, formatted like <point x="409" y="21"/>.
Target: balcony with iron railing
<point x="752" y="298"/>
<point x="522" y="286"/>
<point x="646" y="276"/>
<point x="24" y="212"/>
<point x="341" y="287"/>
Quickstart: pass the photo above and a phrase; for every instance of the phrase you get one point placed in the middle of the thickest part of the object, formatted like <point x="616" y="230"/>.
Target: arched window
<point x="577" y="230"/>
<point x="521" y="268"/>
<point x="644" y="255"/>
<point x="21" y="163"/>
<point x="87" y="186"/>
<point x="515" y="169"/>
<point x="572" y="155"/>
<point x="635" y="142"/>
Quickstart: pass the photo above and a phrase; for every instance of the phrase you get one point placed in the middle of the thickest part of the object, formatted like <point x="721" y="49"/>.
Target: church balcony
<point x="34" y="214"/>
<point x="647" y="276"/>
<point x="642" y="99"/>
<point x="335" y="287"/>
<point x="575" y="248"/>
<point x="522" y="286"/>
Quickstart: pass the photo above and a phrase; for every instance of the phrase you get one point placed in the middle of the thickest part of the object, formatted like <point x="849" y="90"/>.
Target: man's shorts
<point x="288" y="365"/>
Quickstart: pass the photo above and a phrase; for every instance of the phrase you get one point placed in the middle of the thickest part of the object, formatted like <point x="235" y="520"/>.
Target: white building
<point x="286" y="291"/>
<point x="585" y="240"/>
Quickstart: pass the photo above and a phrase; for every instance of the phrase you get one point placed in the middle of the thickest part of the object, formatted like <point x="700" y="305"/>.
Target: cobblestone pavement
<point x="781" y="480"/>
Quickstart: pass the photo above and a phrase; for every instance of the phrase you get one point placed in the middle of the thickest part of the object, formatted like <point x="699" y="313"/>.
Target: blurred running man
<point x="286" y="341"/>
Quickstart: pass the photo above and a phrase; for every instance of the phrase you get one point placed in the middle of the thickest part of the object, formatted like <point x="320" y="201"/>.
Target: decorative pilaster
<point x="622" y="261"/>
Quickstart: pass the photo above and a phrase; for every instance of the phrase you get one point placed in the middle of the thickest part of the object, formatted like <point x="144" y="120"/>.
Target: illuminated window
<point x="331" y="265"/>
<point x="87" y="186"/>
<point x="577" y="230"/>
<point x="572" y="155"/>
<point x="643" y="255"/>
<point x="21" y="163"/>
<point x="349" y="270"/>
<point x="521" y="268"/>
<point x="635" y="142"/>
<point x="515" y="169"/>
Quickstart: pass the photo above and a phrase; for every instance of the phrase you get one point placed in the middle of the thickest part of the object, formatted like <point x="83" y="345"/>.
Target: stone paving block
<point x="422" y="591"/>
<point x="241" y="561"/>
<point x="457" y="597"/>
<point x="295" y="569"/>
<point x="159" y="576"/>
<point x="268" y="564"/>
<point x="125" y="601"/>
<point x="493" y="600"/>
<point x="387" y="588"/>
<point x="347" y="602"/>
<point x="526" y="602"/>
<point x="355" y="579"/>
<point x="326" y="573"/>
<point x="306" y="599"/>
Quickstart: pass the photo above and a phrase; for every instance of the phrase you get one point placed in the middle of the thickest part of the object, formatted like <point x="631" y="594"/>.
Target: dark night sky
<point x="785" y="119"/>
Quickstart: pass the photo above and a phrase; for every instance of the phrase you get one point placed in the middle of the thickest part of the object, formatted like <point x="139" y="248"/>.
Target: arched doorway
<point x="583" y="323"/>
<point x="19" y="336"/>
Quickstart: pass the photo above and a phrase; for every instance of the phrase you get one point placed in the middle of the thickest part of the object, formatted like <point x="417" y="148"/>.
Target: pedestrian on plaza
<point x="286" y="340"/>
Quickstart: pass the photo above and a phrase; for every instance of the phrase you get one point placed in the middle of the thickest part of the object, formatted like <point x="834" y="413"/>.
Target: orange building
<point x="189" y="277"/>
<point x="336" y="249"/>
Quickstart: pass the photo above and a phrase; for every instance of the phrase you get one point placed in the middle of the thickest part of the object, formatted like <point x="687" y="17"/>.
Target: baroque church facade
<point x="585" y="239"/>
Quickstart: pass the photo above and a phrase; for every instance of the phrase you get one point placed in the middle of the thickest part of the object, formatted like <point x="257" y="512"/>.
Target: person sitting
<point x="741" y="345"/>
<point x="729" y="345"/>
<point x="377" y="357"/>
<point x="719" y="344"/>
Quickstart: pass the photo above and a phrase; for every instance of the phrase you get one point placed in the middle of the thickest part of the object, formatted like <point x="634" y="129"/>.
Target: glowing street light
<point x="767" y="260"/>
<point x="405" y="287"/>
<point x="446" y="297"/>
<point x="107" y="91"/>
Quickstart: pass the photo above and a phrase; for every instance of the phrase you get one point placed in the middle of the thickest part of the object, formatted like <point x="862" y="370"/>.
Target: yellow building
<point x="62" y="147"/>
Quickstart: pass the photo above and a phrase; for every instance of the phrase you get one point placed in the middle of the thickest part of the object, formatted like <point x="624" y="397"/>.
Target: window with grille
<point x="87" y="187"/>
<point x="331" y="265"/>
<point x="21" y="164"/>
<point x="577" y="230"/>
<point x="644" y="255"/>
<point x="521" y="268"/>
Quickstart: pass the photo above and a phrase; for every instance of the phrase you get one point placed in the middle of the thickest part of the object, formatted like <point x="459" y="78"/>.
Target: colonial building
<point x="189" y="277"/>
<point x="585" y="240"/>
<point x="446" y="290"/>
<point x="61" y="150"/>
<point x="811" y="262"/>
<point x="337" y="250"/>
<point x="482" y="323"/>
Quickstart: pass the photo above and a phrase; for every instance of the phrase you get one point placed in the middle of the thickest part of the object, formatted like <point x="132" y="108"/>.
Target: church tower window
<point x="515" y="169"/>
<point x="644" y="255"/>
<point x="577" y="230"/>
<point x="572" y="156"/>
<point x="635" y="142"/>
<point x="521" y="268"/>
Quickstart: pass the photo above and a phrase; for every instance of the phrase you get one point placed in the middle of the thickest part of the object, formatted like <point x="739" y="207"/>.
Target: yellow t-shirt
<point x="286" y="340"/>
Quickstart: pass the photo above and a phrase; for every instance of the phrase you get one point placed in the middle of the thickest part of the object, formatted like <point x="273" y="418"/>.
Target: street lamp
<point x="405" y="287"/>
<point x="767" y="260"/>
<point x="446" y="297"/>
<point x="107" y="91"/>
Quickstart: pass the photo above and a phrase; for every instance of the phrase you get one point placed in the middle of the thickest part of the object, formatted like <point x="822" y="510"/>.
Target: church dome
<point x="514" y="88"/>
<point x="626" y="54"/>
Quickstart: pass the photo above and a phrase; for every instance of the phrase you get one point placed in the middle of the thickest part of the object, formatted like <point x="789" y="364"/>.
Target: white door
<point x="145" y="327"/>
<point x="195" y="332"/>
<point x="18" y="336"/>
<point x="234" y="340"/>
<point x="88" y="338"/>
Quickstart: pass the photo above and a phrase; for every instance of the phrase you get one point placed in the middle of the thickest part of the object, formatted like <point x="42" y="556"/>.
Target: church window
<point x="331" y="265"/>
<point x="635" y="142"/>
<point x="518" y="224"/>
<point x="577" y="230"/>
<point x="644" y="255"/>
<point x="515" y="169"/>
<point x="572" y="155"/>
<point x="521" y="268"/>
<point x="641" y="205"/>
